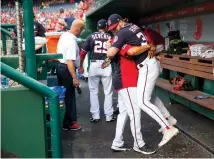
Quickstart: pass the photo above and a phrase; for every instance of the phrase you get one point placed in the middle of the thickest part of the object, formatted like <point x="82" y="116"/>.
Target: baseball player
<point x="125" y="82"/>
<point x="96" y="44"/>
<point x="149" y="71"/>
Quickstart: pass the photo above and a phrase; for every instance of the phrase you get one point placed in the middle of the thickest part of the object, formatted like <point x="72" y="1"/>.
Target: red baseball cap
<point x="113" y="21"/>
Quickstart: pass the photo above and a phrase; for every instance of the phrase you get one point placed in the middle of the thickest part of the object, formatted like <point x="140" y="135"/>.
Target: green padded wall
<point x="23" y="123"/>
<point x="208" y="86"/>
<point x="11" y="61"/>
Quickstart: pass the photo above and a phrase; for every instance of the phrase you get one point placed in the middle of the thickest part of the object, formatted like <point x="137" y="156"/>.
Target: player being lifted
<point x="148" y="72"/>
<point x="96" y="45"/>
<point x="125" y="83"/>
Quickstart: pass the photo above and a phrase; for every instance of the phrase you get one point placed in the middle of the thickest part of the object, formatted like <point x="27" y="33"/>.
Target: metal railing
<point x="56" y="145"/>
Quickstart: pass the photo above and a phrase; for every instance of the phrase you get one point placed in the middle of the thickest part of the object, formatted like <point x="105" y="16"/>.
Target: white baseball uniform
<point x="125" y="80"/>
<point x="128" y="107"/>
<point x="148" y="75"/>
<point x="96" y="45"/>
<point x="149" y="70"/>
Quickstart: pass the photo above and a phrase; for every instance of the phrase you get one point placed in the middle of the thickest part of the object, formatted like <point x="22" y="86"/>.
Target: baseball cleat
<point x="119" y="149"/>
<point x="146" y="150"/>
<point x="172" y="121"/>
<point x="168" y="134"/>
<point x="111" y="120"/>
<point x="94" y="120"/>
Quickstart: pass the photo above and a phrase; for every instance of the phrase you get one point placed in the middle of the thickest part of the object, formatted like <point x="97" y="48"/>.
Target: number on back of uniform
<point x="140" y="35"/>
<point x="100" y="47"/>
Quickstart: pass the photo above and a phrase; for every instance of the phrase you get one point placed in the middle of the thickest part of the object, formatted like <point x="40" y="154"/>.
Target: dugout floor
<point x="196" y="138"/>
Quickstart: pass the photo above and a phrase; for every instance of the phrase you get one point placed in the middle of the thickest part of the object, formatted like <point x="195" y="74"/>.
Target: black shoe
<point x="112" y="119"/>
<point x="116" y="111"/>
<point x="94" y="120"/>
<point x="119" y="149"/>
<point x="146" y="150"/>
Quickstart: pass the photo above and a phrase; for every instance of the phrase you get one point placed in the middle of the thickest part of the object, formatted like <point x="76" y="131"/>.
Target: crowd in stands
<point x="50" y="2"/>
<point x="53" y="17"/>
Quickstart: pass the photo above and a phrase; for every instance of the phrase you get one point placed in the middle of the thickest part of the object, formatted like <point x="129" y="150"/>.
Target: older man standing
<point x="66" y="73"/>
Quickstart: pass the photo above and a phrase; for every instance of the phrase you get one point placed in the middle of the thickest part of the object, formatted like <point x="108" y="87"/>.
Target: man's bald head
<point x="77" y="26"/>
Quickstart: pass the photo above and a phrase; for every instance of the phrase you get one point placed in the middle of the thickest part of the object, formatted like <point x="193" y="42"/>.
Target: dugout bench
<point x="195" y="69"/>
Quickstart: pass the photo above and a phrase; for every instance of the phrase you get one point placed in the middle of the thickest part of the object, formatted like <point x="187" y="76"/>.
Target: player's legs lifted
<point x="148" y="76"/>
<point x="157" y="102"/>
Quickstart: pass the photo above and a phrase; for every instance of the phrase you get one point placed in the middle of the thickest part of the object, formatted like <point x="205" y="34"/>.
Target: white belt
<point x="146" y="61"/>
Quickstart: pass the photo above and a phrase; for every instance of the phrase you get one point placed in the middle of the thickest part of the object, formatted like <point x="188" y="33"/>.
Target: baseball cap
<point x="113" y="21"/>
<point x="102" y="24"/>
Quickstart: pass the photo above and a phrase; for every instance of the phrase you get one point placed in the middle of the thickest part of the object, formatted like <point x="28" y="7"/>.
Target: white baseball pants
<point x="148" y="75"/>
<point x="85" y="66"/>
<point x="128" y="107"/>
<point x="96" y="73"/>
<point x="158" y="102"/>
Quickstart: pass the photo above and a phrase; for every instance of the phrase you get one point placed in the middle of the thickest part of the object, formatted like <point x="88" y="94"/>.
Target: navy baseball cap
<point x="102" y="24"/>
<point x="113" y="21"/>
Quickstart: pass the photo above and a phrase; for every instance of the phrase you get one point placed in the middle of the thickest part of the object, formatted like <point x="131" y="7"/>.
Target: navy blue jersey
<point x="96" y="45"/>
<point x="131" y="34"/>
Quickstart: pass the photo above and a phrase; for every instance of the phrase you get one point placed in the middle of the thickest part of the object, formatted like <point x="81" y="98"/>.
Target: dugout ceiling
<point x="136" y="9"/>
<point x="132" y="8"/>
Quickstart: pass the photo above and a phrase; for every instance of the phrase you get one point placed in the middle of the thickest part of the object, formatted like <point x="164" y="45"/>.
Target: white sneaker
<point x="122" y="148"/>
<point x="172" y="121"/>
<point x="113" y="118"/>
<point x="146" y="150"/>
<point x="167" y="135"/>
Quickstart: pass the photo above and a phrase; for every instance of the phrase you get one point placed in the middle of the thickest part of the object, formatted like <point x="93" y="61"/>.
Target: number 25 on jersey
<point x="100" y="47"/>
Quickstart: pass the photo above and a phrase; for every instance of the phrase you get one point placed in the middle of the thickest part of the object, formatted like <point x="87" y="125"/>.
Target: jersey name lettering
<point x="100" y="36"/>
<point x="133" y="28"/>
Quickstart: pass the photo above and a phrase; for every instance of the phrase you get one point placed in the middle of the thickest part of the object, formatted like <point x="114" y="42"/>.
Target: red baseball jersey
<point x="125" y="71"/>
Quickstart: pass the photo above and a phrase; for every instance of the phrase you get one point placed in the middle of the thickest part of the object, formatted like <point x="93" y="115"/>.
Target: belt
<point x="140" y="65"/>
<point x="147" y="60"/>
<point x="66" y="64"/>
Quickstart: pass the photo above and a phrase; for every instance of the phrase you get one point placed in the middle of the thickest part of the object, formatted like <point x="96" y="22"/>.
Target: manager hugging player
<point x="136" y="71"/>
